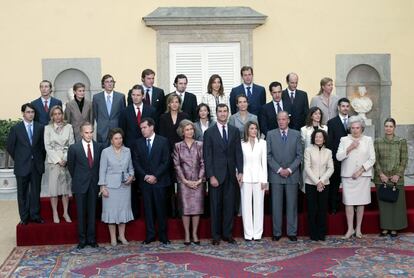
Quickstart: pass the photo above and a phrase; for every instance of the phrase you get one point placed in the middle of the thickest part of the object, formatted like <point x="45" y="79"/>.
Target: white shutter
<point x="198" y="61"/>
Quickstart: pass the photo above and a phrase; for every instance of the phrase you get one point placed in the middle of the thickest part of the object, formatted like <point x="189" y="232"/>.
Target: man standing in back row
<point x="298" y="100"/>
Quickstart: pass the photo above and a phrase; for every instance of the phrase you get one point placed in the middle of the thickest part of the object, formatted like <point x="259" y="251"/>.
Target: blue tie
<point x="225" y="139"/>
<point x="278" y="107"/>
<point x="149" y="146"/>
<point x="284" y="137"/>
<point x="249" y="93"/>
<point x="30" y="133"/>
<point x="108" y="104"/>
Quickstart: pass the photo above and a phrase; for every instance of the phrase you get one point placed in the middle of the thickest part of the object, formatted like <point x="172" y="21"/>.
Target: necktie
<point x="284" y="137"/>
<point x="149" y="146"/>
<point x="108" y="104"/>
<point x="147" y="100"/>
<point x="346" y="123"/>
<point x="90" y="159"/>
<point x="225" y="139"/>
<point x="292" y="97"/>
<point x="278" y="107"/>
<point x="30" y="133"/>
<point x="249" y="93"/>
<point x="139" y="116"/>
<point x="46" y="107"/>
<point x="181" y="97"/>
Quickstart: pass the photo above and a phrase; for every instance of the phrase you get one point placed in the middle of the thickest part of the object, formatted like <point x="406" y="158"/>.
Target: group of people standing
<point x="233" y="145"/>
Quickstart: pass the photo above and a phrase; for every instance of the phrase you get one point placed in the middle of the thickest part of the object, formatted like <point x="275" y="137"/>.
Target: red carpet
<point x="66" y="233"/>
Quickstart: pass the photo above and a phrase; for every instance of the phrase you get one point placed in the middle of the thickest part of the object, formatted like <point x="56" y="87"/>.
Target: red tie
<point x="90" y="159"/>
<point x="139" y="116"/>
<point x="46" y="107"/>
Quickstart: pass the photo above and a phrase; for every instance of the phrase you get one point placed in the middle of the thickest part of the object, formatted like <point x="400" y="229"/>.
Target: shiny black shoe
<point x="39" y="220"/>
<point x="230" y="240"/>
<point x="147" y="241"/>
<point x="197" y="242"/>
<point x="187" y="243"/>
<point x="393" y="234"/>
<point x="215" y="242"/>
<point x="93" y="245"/>
<point x="24" y="222"/>
<point x="292" y="238"/>
<point x="165" y="242"/>
<point x="276" y="238"/>
<point x="80" y="246"/>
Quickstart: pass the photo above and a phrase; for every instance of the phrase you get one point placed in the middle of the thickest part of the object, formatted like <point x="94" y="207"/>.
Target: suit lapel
<point x="23" y="129"/>
<point x="154" y="147"/>
<point x="220" y="138"/>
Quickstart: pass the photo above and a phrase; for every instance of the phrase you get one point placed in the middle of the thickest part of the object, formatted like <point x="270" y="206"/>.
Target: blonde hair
<point x="323" y="82"/>
<point x="51" y="122"/>
<point x="170" y="98"/>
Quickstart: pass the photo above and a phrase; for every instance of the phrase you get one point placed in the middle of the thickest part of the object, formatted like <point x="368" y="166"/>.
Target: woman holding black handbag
<point x="392" y="155"/>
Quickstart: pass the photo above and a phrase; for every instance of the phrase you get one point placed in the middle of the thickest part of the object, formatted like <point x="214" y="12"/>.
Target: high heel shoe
<point x="123" y="241"/>
<point x="56" y="218"/>
<point x="348" y="235"/>
<point x="358" y="235"/>
<point x="113" y="243"/>
<point x="67" y="218"/>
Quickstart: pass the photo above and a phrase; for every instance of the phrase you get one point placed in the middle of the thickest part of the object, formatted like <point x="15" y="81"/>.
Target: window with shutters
<point x="198" y="61"/>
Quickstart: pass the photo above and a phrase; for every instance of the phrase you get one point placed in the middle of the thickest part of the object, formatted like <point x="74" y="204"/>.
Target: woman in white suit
<point x="356" y="151"/>
<point x="318" y="169"/>
<point x="254" y="181"/>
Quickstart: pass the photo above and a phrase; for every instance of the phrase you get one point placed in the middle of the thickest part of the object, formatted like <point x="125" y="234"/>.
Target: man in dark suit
<point x="256" y="94"/>
<point x="268" y="114"/>
<point x="222" y="158"/>
<point x="26" y="146"/>
<point x="154" y="96"/>
<point x="129" y="121"/>
<point x="284" y="155"/>
<point x="337" y="128"/>
<point x="151" y="162"/>
<point x="298" y="100"/>
<point x="188" y="100"/>
<point x="107" y="106"/>
<point x="83" y="166"/>
<point x="44" y="103"/>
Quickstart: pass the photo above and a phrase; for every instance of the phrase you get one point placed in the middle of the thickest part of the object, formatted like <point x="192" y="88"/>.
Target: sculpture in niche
<point x="362" y="104"/>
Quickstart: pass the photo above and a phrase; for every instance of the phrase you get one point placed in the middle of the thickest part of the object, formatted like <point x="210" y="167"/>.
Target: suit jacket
<point x="157" y="163"/>
<point x="363" y="155"/>
<point x="78" y="166"/>
<point x="169" y="130"/>
<point x="157" y="100"/>
<point x="76" y="118"/>
<point x="256" y="101"/>
<point x="104" y="121"/>
<point x="318" y="165"/>
<point x="255" y="162"/>
<point x="236" y="121"/>
<point x="19" y="148"/>
<point x="281" y="154"/>
<point x="41" y="115"/>
<point x="299" y="108"/>
<point x="189" y="105"/>
<point x="222" y="160"/>
<point x="199" y="134"/>
<point x="113" y="170"/>
<point x="336" y="131"/>
<point x="268" y="116"/>
<point x="128" y="123"/>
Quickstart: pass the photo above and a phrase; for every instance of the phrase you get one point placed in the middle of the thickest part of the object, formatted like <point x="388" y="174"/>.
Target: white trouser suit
<point x="252" y="194"/>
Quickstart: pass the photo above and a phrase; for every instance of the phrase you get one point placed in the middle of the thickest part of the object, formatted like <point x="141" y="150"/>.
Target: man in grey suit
<point x="107" y="106"/>
<point x="284" y="155"/>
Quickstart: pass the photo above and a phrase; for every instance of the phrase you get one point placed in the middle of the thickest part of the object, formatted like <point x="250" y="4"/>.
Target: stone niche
<point x="372" y="71"/>
<point x="64" y="73"/>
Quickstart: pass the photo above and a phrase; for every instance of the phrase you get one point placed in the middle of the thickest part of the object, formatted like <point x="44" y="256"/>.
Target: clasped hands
<point x="284" y="172"/>
<point x="192" y="184"/>
<point x="151" y="179"/>
<point x="393" y="179"/>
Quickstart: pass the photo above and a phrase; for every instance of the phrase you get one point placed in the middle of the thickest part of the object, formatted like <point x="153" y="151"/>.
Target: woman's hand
<point x="320" y="187"/>
<point x="62" y="163"/>
<point x="383" y="178"/>
<point x="358" y="173"/>
<point x="353" y="146"/>
<point x="395" y="178"/>
<point x="104" y="191"/>
<point x="129" y="180"/>
<point x="265" y="186"/>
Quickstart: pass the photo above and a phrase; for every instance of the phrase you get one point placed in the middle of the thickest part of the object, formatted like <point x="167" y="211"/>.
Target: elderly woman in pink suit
<point x="189" y="168"/>
<point x="254" y="183"/>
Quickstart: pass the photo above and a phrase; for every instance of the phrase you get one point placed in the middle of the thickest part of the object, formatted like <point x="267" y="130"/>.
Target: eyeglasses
<point x="109" y="81"/>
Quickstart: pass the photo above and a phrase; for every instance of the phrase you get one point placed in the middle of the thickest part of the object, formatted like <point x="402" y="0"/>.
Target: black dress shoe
<point x="322" y="238"/>
<point x="24" y="222"/>
<point x="246" y="239"/>
<point x="230" y="240"/>
<point x="215" y="242"/>
<point x="148" y="241"/>
<point x="383" y="233"/>
<point x="196" y="242"/>
<point x="39" y="220"/>
<point x="81" y="246"/>
<point x="93" y="245"/>
<point x="292" y="238"/>
<point x="257" y="239"/>
<point x="393" y="234"/>
<point x="186" y="243"/>
<point x="314" y="238"/>
<point x="276" y="238"/>
<point x="165" y="242"/>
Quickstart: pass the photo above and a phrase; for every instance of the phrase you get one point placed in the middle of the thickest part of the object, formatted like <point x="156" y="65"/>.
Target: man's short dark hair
<point x="220" y="105"/>
<point x="324" y="134"/>
<point x="246" y="68"/>
<point x="274" y="84"/>
<point x="48" y="82"/>
<point x="150" y="121"/>
<point x="106" y="76"/>
<point x="147" y="72"/>
<point x="180" y="76"/>
<point x="138" y="87"/>
<point x="24" y="106"/>
<point x="344" y="99"/>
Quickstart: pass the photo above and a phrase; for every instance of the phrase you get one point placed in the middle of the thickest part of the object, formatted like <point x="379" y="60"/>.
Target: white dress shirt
<point x="140" y="108"/>
<point x="85" y="147"/>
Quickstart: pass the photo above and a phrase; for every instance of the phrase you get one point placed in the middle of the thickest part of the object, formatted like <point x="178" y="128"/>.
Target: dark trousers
<point x="317" y="210"/>
<point x="86" y="210"/>
<point x="222" y="202"/>
<point x="333" y="188"/>
<point x="28" y="195"/>
<point x="154" y="199"/>
<point x="135" y="204"/>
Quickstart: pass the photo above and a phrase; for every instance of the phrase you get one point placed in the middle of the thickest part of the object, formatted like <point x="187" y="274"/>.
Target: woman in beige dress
<point x="78" y="110"/>
<point x="325" y="100"/>
<point x="58" y="137"/>
<point x="357" y="154"/>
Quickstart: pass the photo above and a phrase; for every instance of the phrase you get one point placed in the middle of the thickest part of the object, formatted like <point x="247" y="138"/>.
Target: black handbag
<point x="388" y="193"/>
